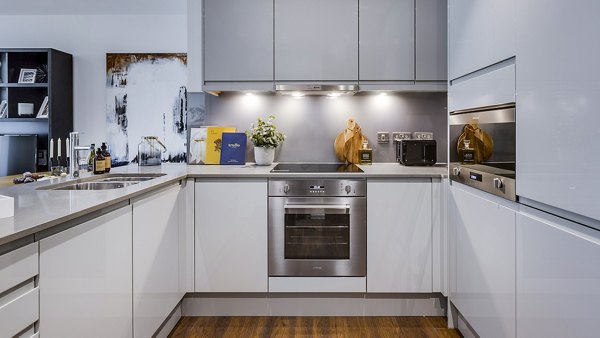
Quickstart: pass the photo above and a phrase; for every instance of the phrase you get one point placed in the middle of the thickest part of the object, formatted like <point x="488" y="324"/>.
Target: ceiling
<point x="66" y="7"/>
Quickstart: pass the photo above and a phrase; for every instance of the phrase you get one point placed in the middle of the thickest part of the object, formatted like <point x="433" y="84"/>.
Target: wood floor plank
<point x="304" y="327"/>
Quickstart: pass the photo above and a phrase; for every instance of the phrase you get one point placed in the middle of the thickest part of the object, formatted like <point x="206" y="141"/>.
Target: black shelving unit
<point x="58" y="86"/>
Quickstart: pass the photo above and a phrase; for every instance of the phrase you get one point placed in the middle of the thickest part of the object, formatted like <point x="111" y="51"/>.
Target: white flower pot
<point x="264" y="156"/>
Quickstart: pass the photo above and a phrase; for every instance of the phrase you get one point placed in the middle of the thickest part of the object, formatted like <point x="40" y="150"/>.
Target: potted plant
<point x="266" y="138"/>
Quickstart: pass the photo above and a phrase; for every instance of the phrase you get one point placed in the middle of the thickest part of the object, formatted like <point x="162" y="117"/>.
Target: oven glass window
<point x="317" y="234"/>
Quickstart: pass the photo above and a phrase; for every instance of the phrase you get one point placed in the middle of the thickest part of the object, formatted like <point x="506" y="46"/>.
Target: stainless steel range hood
<point x="316" y="90"/>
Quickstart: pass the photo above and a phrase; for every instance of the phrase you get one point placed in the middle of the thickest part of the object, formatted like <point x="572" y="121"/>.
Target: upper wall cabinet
<point x="480" y="33"/>
<point x="387" y="40"/>
<point x="316" y="40"/>
<point x="238" y="41"/>
<point x="431" y="39"/>
<point x="558" y="81"/>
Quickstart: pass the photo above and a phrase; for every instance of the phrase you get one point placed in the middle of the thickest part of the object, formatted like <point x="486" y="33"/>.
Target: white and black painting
<point x="147" y="96"/>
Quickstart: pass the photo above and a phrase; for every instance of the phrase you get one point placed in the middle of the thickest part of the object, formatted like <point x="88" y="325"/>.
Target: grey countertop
<point x="38" y="210"/>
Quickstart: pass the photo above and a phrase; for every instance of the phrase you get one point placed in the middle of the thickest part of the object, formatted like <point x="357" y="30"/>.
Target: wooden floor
<point x="363" y="327"/>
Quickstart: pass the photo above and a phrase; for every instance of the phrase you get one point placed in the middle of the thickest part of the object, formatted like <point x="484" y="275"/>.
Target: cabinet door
<point x="155" y="260"/>
<point x="485" y="263"/>
<point x="480" y="33"/>
<point x="557" y="120"/>
<point x="231" y="236"/>
<point x="238" y="40"/>
<point x="431" y="40"/>
<point x="85" y="279"/>
<point x="399" y="253"/>
<point x="316" y="40"/>
<point x="387" y="40"/>
<point x="557" y="277"/>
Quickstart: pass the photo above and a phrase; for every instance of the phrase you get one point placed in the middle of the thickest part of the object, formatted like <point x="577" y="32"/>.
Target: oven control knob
<point x="348" y="189"/>
<point x="456" y="171"/>
<point x="498" y="184"/>
<point x="286" y="189"/>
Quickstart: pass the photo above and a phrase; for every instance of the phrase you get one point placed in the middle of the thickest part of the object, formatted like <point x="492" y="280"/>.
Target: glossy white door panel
<point x="387" y="40"/>
<point x="485" y="261"/>
<point x="399" y="252"/>
<point x="431" y="40"/>
<point x="231" y="236"/>
<point x="316" y="40"/>
<point x="17" y="266"/>
<point x="480" y="33"/>
<point x="156" y="289"/>
<point x="558" y="81"/>
<point x="186" y="237"/>
<point x="491" y="86"/>
<point x="19" y="313"/>
<point x="85" y="279"/>
<point x="557" y="277"/>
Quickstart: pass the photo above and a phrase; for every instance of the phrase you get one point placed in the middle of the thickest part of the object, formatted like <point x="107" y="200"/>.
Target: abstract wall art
<point x="146" y="95"/>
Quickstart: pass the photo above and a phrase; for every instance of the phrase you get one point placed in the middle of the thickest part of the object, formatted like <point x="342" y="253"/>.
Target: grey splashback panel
<point x="312" y="123"/>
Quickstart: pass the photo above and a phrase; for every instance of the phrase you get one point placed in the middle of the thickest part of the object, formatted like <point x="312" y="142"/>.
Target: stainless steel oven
<point x="490" y="162"/>
<point x="317" y="227"/>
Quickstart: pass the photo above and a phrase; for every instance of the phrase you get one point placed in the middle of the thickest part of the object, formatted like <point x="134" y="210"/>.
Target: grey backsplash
<point x="312" y="123"/>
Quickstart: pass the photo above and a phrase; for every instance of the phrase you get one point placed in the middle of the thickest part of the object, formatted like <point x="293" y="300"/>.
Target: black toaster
<point x="416" y="152"/>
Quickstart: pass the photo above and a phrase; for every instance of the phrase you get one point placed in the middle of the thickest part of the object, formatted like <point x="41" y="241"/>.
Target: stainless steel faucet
<point x="74" y="156"/>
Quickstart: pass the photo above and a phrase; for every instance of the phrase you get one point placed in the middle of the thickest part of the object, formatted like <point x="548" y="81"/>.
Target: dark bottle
<point x="107" y="159"/>
<point x="92" y="156"/>
<point x="99" y="162"/>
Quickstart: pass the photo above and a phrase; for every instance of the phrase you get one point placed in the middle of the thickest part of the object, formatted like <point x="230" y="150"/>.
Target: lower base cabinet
<point x="399" y="243"/>
<point x="231" y="236"/>
<point x="558" y="277"/>
<point x="85" y="279"/>
<point x="156" y="289"/>
<point x="484" y="290"/>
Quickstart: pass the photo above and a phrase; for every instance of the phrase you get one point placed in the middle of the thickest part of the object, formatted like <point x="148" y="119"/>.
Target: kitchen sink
<point x="103" y="182"/>
<point x="95" y="186"/>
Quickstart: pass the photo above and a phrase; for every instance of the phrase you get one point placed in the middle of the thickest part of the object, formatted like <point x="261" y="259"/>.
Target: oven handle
<point x="318" y="206"/>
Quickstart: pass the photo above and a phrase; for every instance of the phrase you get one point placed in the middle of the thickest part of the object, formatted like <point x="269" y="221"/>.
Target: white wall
<point x="88" y="38"/>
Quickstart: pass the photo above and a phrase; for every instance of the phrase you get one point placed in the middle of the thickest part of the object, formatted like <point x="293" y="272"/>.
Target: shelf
<point x="23" y="85"/>
<point x="23" y="119"/>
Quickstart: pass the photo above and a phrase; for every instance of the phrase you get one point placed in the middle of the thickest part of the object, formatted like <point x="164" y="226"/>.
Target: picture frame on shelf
<point x="27" y="75"/>
<point x="3" y="109"/>
<point x="43" y="112"/>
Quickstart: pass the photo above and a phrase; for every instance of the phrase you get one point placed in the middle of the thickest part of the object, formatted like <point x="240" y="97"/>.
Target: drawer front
<point x="19" y="313"/>
<point x="17" y="266"/>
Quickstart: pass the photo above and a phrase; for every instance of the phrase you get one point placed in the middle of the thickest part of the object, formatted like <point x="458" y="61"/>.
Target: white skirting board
<point x="314" y="304"/>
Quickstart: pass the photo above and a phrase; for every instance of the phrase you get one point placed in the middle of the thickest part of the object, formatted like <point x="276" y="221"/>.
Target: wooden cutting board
<point x="348" y="142"/>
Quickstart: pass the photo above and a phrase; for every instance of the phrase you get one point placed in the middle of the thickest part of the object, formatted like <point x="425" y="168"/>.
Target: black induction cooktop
<point x="316" y="168"/>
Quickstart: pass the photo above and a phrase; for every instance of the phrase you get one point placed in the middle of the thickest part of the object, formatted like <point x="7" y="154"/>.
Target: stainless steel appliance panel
<point x="324" y="245"/>
<point x="18" y="153"/>
<point x="318" y="187"/>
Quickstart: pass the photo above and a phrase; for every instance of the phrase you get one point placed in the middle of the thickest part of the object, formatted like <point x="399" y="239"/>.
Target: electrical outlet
<point x="383" y="137"/>
<point x="401" y="135"/>
<point x="422" y="135"/>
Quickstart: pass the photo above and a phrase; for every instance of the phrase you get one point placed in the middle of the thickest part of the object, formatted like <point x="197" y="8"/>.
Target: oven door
<point x="317" y="236"/>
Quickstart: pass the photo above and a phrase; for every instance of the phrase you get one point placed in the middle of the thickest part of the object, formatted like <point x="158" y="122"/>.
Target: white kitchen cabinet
<point x="19" y="294"/>
<point x="231" y="236"/>
<point x="85" y="279"/>
<point x="480" y="33"/>
<point x="484" y="291"/>
<point x="316" y="40"/>
<point x="387" y="40"/>
<point x="238" y="41"/>
<point x="156" y="284"/>
<point x="431" y="40"/>
<point x="557" y="277"/>
<point x="558" y="81"/>
<point x="399" y="245"/>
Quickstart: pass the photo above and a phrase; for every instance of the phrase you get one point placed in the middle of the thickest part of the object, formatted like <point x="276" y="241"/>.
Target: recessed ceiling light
<point x="383" y="94"/>
<point x="334" y="94"/>
<point x="297" y="94"/>
<point x="249" y="94"/>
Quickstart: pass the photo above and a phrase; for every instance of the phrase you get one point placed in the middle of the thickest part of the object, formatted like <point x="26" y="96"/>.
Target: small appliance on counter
<point x="416" y="152"/>
<point x="150" y="151"/>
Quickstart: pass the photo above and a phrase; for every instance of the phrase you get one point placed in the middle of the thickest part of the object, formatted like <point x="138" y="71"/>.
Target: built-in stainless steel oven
<point x="317" y="227"/>
<point x="487" y="161"/>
